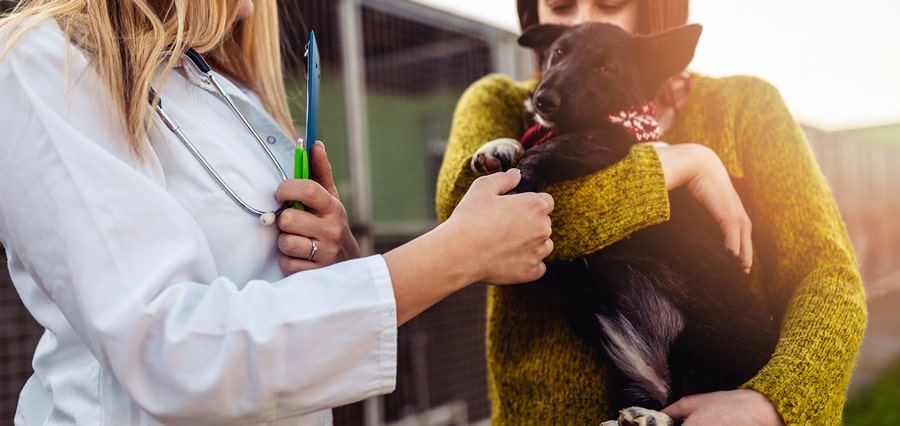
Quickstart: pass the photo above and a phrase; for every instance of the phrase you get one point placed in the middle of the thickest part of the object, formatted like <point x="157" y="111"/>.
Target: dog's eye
<point x="559" y="53"/>
<point x="603" y="69"/>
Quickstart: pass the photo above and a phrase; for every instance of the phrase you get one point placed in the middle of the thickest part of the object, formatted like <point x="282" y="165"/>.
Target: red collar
<point x="537" y="135"/>
<point x="640" y="121"/>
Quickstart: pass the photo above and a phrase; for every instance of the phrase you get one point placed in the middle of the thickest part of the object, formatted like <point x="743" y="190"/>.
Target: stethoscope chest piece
<point x="267" y="218"/>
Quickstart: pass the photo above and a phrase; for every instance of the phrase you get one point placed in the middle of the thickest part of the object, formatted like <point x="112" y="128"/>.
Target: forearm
<point x="809" y="373"/>
<point x="816" y="289"/>
<point x="597" y="210"/>
<point x="434" y="255"/>
<point x="812" y="280"/>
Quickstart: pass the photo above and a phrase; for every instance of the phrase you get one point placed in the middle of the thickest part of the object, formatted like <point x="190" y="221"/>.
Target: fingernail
<point x="514" y="171"/>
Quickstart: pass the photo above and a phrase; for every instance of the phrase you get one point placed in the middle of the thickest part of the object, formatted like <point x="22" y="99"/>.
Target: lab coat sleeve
<point x="132" y="273"/>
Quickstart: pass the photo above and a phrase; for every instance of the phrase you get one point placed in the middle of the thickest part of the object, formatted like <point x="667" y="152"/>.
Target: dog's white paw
<point x="496" y="156"/>
<point x="637" y="416"/>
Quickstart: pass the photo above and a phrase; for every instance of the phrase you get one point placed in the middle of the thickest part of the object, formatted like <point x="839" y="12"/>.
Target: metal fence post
<point x="357" y="122"/>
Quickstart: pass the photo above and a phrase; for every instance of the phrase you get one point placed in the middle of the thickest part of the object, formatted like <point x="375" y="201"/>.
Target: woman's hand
<point x="508" y="235"/>
<point x="322" y="225"/>
<point x="738" y="407"/>
<point x="703" y="175"/>
<point x="489" y="237"/>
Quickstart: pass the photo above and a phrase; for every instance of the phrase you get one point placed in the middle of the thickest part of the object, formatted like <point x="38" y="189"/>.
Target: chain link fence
<point x="392" y="72"/>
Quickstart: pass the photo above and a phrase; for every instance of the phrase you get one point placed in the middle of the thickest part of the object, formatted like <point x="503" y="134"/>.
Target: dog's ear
<point x="540" y="37"/>
<point x="665" y="54"/>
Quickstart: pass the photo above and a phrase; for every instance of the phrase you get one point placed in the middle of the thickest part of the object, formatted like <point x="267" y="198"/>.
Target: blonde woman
<point x="164" y="301"/>
<point x="803" y="266"/>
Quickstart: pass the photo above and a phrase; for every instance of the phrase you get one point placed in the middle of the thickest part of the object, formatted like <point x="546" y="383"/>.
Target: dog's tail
<point x="618" y="307"/>
<point x="642" y="357"/>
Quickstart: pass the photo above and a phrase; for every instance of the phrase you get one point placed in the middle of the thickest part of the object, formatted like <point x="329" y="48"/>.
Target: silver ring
<point x="315" y="248"/>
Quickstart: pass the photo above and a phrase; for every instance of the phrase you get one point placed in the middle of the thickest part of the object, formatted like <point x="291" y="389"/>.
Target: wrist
<point x="455" y="257"/>
<point x="766" y="411"/>
<point x="675" y="165"/>
<point x="683" y="163"/>
<point x="424" y="271"/>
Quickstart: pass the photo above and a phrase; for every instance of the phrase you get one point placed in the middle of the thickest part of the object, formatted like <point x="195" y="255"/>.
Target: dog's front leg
<point x="572" y="155"/>
<point x="498" y="155"/>
<point x="637" y="416"/>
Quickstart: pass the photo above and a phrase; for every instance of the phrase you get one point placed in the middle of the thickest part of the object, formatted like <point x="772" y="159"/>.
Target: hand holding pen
<point x="318" y="235"/>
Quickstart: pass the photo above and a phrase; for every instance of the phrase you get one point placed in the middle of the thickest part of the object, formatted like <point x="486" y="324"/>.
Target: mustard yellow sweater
<point x="805" y="269"/>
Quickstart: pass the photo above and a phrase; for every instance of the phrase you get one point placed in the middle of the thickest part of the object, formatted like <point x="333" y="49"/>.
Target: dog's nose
<point x="546" y="103"/>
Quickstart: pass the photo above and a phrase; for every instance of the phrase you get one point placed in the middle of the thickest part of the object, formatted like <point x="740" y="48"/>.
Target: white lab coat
<point x="162" y="300"/>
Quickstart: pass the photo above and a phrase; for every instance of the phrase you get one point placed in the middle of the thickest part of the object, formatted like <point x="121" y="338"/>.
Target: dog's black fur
<point x="669" y="306"/>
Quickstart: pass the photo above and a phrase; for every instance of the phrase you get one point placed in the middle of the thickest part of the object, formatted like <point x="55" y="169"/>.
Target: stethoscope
<point x="266" y="218"/>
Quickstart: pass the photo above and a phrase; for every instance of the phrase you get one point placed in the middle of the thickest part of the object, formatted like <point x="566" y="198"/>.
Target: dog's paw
<point x="637" y="416"/>
<point x="496" y="156"/>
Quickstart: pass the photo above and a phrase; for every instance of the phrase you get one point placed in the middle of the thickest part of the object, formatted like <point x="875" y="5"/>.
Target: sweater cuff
<point x="598" y="210"/>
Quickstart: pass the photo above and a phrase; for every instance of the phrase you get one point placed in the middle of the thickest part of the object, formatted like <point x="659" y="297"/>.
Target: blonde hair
<point x="124" y="40"/>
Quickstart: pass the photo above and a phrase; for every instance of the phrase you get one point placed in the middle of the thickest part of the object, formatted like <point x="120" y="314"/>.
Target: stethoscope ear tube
<point x="198" y="60"/>
<point x="203" y="66"/>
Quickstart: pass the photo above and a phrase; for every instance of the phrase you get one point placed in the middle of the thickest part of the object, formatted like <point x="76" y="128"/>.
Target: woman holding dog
<point x="804" y="266"/>
<point x="164" y="302"/>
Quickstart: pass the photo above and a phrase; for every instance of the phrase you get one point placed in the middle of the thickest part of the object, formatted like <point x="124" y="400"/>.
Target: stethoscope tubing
<point x="265" y="217"/>
<point x="256" y="137"/>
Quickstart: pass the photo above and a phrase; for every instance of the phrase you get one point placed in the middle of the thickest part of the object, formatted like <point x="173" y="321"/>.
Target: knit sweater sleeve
<point x="807" y="268"/>
<point x="490" y="108"/>
<point x="591" y="212"/>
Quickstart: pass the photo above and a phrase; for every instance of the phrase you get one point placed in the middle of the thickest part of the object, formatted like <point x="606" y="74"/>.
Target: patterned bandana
<point x="640" y="121"/>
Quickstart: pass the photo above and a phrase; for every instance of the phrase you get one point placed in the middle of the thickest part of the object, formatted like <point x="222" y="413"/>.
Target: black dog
<point x="669" y="307"/>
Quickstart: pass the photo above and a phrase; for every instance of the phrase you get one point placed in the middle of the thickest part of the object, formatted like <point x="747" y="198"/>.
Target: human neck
<point x="671" y="97"/>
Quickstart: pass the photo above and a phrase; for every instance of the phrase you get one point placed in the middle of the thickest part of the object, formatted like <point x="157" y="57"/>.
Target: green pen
<point x="301" y="169"/>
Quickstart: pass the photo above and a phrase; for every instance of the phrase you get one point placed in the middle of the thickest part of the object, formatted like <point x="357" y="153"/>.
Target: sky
<point x="836" y="63"/>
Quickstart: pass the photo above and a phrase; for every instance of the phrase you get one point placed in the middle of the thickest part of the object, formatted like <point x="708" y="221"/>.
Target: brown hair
<point x="656" y="15"/>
